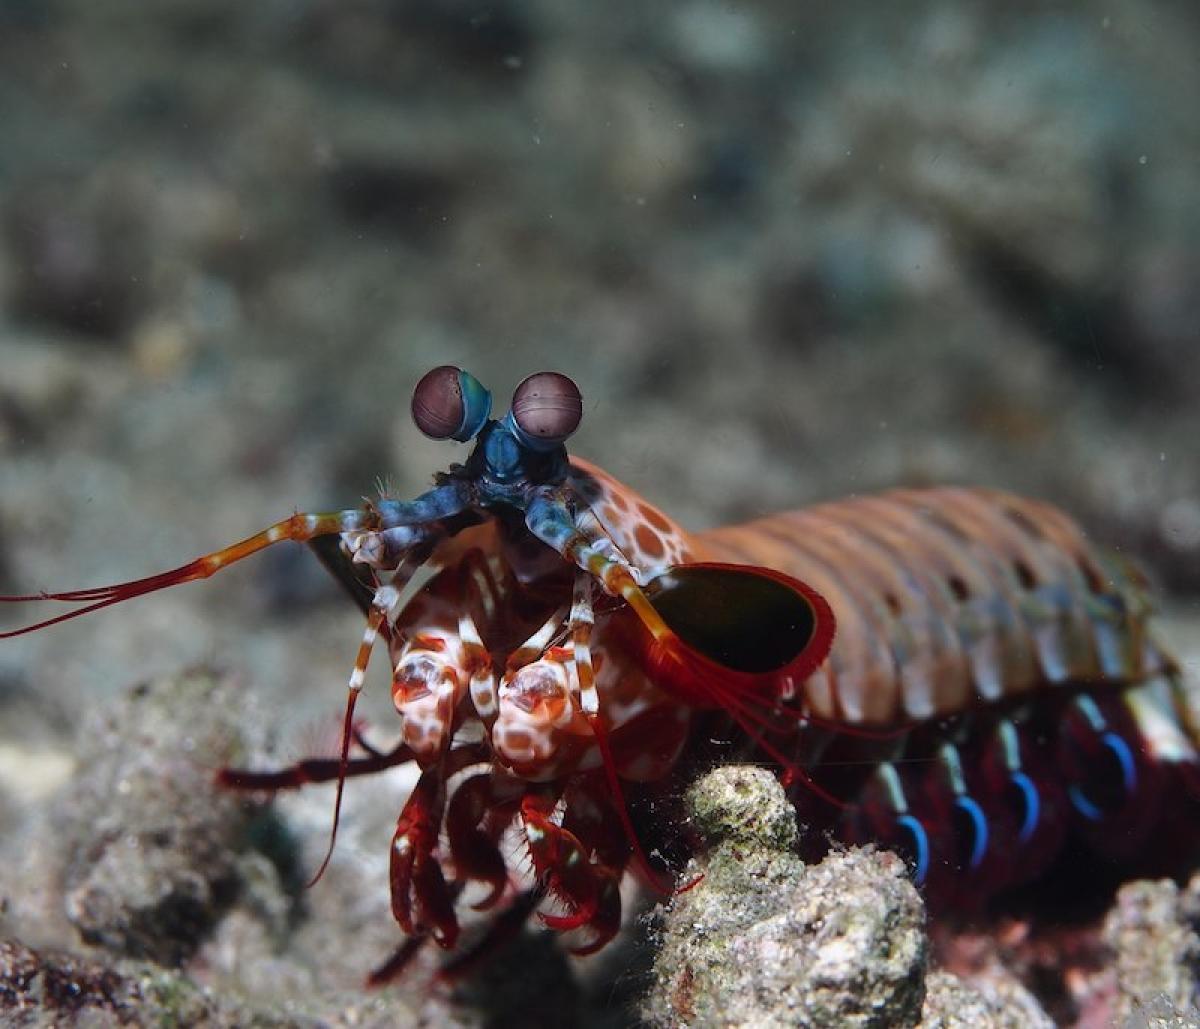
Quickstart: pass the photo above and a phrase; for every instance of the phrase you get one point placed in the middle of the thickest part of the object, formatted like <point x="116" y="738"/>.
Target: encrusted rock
<point x="743" y="804"/>
<point x="51" y="988"/>
<point x="764" y="940"/>
<point x="150" y="844"/>
<point x="951" y="1003"/>
<point x="1157" y="954"/>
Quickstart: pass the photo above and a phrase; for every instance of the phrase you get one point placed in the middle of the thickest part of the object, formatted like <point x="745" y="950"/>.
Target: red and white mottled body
<point x="529" y="706"/>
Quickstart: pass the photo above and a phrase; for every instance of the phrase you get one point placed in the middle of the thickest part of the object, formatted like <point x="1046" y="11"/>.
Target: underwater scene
<point x="706" y="499"/>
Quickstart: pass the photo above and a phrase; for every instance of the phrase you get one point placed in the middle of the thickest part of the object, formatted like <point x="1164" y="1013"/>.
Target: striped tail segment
<point x="1018" y="656"/>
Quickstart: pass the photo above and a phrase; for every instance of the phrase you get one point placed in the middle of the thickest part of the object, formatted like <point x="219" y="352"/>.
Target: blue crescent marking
<point x="972" y="808"/>
<point x="1125" y="756"/>
<point x="1084" y="806"/>
<point x="1120" y="750"/>
<point x="1033" y="805"/>
<point x="921" y="842"/>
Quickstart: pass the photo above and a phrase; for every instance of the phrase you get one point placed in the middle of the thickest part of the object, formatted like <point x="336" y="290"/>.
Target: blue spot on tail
<point x="1084" y="806"/>
<point x="920" y="844"/>
<point x="1125" y="756"/>
<point x="1120" y="750"/>
<point x="972" y="808"/>
<point x="1033" y="805"/>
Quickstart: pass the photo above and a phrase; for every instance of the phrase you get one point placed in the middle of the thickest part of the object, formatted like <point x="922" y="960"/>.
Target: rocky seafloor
<point x="141" y="895"/>
<point x="787" y="254"/>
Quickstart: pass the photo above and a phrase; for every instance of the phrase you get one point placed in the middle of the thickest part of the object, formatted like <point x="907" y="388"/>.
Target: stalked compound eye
<point x="546" y="409"/>
<point x="449" y="403"/>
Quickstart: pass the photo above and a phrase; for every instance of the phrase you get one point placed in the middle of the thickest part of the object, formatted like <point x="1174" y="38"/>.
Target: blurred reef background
<point x="789" y="252"/>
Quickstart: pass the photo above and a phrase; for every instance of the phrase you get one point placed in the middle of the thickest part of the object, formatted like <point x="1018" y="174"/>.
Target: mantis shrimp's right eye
<point x="546" y="409"/>
<point x="450" y="403"/>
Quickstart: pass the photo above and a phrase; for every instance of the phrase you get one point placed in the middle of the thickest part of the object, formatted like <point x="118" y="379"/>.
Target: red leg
<point x="394" y="967"/>
<point x="589" y="890"/>
<point x="313" y="770"/>
<point x="476" y="854"/>
<point x="422" y="902"/>
<point x="500" y="930"/>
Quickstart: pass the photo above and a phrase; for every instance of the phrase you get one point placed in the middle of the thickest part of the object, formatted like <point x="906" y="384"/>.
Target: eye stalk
<point x="546" y="409"/>
<point x="450" y="403"/>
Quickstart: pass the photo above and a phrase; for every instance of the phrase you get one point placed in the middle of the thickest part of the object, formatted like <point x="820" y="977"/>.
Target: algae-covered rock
<point x="150" y="844"/>
<point x="1157" y="954"/>
<point x="951" y="1003"/>
<point x="41" y="988"/>
<point x="764" y="940"/>
<point x="141" y="856"/>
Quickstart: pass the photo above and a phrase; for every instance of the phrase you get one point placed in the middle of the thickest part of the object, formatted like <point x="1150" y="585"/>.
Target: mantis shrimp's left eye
<point x="546" y="409"/>
<point x="450" y="403"/>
